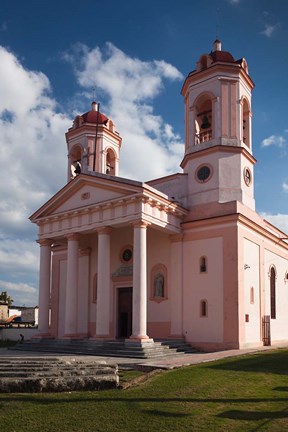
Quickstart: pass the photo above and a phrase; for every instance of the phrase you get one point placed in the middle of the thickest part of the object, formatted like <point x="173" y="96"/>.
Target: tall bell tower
<point x="218" y="146"/>
<point x="93" y="144"/>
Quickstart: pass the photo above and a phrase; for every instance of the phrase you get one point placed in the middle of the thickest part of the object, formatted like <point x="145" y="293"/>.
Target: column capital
<point x="73" y="236"/>
<point x="104" y="230"/>
<point x="140" y="224"/>
<point x="45" y="242"/>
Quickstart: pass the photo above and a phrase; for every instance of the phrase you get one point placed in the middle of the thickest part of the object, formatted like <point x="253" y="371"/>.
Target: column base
<point x="100" y="338"/>
<point x="72" y="336"/>
<point x="42" y="336"/>
<point x="139" y="340"/>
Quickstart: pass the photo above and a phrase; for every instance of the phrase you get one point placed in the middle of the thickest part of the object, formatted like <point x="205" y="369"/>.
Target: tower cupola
<point x="217" y="100"/>
<point x="93" y="144"/>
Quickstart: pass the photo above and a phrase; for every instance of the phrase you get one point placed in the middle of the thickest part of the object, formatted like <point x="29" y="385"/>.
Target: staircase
<point x="52" y="374"/>
<point x="126" y="349"/>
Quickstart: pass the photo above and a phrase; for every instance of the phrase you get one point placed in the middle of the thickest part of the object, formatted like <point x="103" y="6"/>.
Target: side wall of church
<point x="279" y="324"/>
<point x="257" y="256"/>
<point x="210" y="296"/>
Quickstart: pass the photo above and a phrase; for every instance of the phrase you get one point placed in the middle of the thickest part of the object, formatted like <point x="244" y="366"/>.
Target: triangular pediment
<point x="86" y="191"/>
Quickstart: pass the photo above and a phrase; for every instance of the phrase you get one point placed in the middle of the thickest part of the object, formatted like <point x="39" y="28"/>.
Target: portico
<point x="66" y="233"/>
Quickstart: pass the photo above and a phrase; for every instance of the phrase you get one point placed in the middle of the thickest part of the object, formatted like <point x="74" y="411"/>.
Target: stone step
<point x="58" y="384"/>
<point x="155" y="349"/>
<point x="56" y="375"/>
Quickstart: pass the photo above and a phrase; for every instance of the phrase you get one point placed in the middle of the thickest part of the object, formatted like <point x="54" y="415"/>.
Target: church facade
<point x="183" y="256"/>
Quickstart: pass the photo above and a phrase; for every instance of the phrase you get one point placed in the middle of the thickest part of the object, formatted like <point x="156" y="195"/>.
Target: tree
<point x="4" y="297"/>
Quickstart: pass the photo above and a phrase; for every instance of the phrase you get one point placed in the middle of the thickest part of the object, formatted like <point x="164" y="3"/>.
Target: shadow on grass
<point x="268" y="362"/>
<point x="254" y="415"/>
<point x="285" y="389"/>
<point x="159" y="413"/>
<point x="59" y="400"/>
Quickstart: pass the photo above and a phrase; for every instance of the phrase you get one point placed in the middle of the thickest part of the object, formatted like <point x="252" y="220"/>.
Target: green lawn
<point x="248" y="393"/>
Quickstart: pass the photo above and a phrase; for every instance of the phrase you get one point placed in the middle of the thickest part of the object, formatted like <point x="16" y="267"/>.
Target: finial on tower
<point x="95" y="106"/>
<point x="217" y="46"/>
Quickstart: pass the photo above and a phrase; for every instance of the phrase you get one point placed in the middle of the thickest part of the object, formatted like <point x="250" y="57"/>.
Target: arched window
<point x="273" y="293"/>
<point x="75" y="158"/>
<point x="203" y="308"/>
<point x="110" y="162"/>
<point x="203" y="264"/>
<point x="246" y="122"/>
<point x="203" y="119"/>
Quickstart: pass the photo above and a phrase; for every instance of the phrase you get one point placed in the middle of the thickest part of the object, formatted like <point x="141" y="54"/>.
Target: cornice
<point x="217" y="149"/>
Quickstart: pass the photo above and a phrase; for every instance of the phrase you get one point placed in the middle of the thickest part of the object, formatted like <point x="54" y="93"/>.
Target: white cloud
<point x="269" y="30"/>
<point x="33" y="168"/>
<point x="274" y="140"/>
<point x="285" y="187"/>
<point x="21" y="293"/>
<point x="32" y="148"/>
<point x="130" y="85"/>
<point x="233" y="2"/>
<point x="279" y="220"/>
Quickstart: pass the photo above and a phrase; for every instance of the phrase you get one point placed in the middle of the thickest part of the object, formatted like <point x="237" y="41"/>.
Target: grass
<point x="248" y="393"/>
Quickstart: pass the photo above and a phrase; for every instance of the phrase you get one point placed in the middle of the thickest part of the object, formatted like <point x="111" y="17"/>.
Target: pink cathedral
<point x="182" y="256"/>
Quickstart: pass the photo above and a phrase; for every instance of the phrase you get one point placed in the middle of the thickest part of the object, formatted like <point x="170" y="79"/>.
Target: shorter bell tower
<point x="93" y="144"/>
<point x="218" y="145"/>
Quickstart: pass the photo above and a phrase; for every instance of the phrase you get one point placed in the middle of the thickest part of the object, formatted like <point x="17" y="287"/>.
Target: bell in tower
<point x="217" y="97"/>
<point x="205" y="123"/>
<point x="93" y="144"/>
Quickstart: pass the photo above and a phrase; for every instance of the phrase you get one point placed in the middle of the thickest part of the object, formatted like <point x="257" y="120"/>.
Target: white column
<point x="44" y="286"/>
<point x="103" y="284"/>
<point x="71" y="286"/>
<point x="176" y="292"/>
<point x="139" y="314"/>
<point x="83" y="295"/>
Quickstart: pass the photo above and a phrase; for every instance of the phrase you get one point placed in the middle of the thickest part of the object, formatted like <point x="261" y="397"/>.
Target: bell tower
<point x="218" y="147"/>
<point x="93" y="144"/>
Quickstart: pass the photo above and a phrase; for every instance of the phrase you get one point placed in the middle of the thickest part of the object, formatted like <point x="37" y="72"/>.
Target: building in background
<point x="184" y="256"/>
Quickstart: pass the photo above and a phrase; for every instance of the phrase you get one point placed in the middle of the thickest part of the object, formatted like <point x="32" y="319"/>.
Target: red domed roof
<point x="93" y="116"/>
<point x="222" y="56"/>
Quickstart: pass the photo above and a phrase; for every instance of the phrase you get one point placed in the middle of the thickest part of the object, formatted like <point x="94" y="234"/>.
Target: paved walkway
<point x="172" y="362"/>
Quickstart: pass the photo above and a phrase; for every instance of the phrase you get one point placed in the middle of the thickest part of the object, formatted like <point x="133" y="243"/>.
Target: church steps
<point x="128" y="349"/>
<point x="43" y="375"/>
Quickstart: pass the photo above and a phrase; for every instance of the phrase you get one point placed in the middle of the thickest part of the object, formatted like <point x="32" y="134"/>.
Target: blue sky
<point x="137" y="54"/>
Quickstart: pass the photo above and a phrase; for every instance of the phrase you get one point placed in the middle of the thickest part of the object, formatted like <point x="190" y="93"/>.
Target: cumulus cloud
<point x="269" y="30"/>
<point x="33" y="167"/>
<point x="21" y="293"/>
<point x="285" y="186"/>
<point x="274" y="140"/>
<point x="279" y="220"/>
<point x="32" y="150"/>
<point x="129" y="85"/>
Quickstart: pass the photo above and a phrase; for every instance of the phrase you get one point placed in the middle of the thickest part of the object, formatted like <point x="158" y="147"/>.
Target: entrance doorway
<point x="124" y="329"/>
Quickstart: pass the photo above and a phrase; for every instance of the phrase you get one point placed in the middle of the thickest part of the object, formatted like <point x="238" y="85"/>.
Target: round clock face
<point x="247" y="176"/>
<point x="127" y="255"/>
<point x="203" y="173"/>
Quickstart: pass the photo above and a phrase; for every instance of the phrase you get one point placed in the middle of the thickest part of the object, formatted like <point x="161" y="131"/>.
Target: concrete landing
<point x="169" y="362"/>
